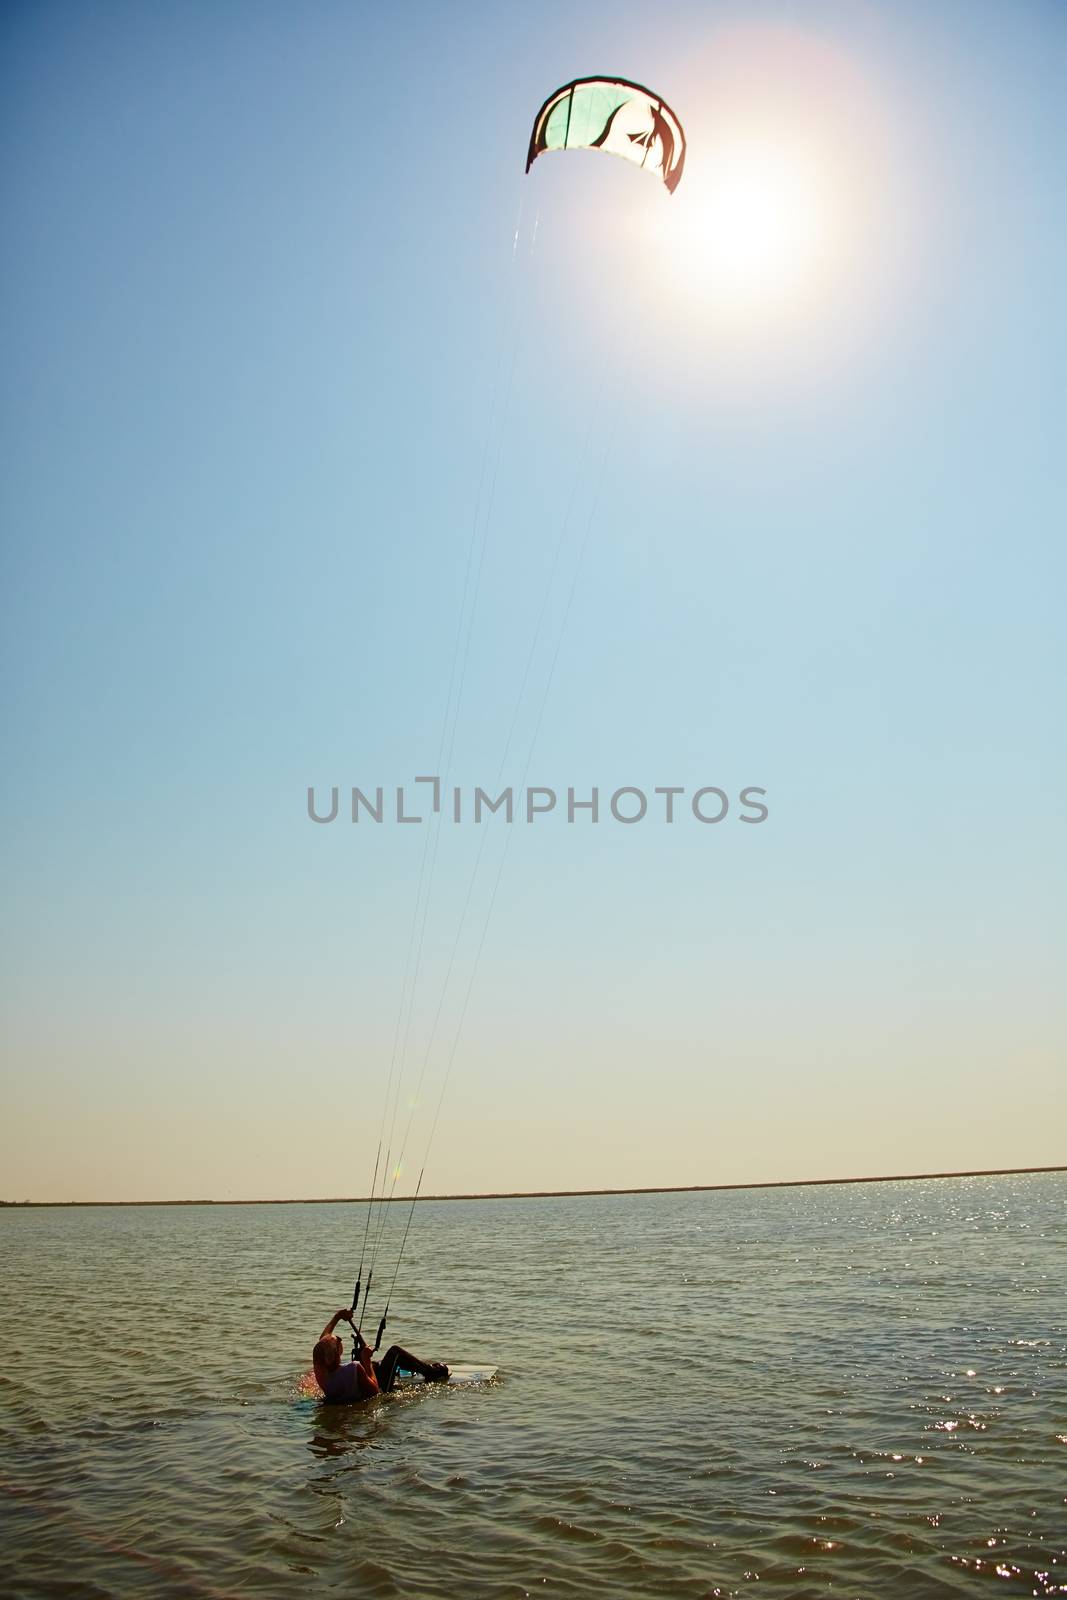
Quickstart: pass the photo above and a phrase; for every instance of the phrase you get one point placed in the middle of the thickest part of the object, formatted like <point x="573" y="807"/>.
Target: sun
<point x="756" y="234"/>
<point x="768" y="222"/>
<point x="796" y="227"/>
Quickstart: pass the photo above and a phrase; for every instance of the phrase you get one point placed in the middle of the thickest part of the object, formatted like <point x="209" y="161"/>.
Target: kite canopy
<point x="610" y="114"/>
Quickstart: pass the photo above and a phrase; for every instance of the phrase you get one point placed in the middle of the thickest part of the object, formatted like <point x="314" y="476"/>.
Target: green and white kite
<point x="610" y="114"/>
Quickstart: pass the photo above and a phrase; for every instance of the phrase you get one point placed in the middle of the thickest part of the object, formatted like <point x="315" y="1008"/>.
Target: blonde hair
<point x="328" y="1351"/>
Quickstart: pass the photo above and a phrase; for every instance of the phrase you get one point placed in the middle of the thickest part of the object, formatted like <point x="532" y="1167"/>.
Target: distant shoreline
<point x="543" y="1194"/>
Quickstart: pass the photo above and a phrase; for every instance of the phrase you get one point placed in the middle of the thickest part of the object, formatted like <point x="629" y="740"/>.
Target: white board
<point x="465" y="1373"/>
<point x="459" y="1372"/>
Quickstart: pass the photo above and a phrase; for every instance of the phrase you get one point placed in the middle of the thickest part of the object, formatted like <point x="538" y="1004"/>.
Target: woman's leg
<point x="396" y="1359"/>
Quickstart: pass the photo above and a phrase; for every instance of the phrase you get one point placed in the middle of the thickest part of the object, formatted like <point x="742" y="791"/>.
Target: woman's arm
<point x="344" y="1315"/>
<point x="366" y="1376"/>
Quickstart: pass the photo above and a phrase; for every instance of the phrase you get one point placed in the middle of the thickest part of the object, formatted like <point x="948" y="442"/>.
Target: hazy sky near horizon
<point x="764" y="486"/>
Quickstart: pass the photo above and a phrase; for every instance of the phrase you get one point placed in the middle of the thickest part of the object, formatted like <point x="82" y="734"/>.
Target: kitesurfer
<point x="364" y="1377"/>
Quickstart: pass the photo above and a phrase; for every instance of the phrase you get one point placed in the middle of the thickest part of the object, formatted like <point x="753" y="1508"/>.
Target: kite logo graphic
<point x="660" y="130"/>
<point x="601" y="138"/>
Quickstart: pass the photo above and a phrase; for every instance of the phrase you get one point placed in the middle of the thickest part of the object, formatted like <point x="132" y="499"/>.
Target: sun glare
<point x="766" y="224"/>
<point x="756" y="234"/>
<point x="792" y="229"/>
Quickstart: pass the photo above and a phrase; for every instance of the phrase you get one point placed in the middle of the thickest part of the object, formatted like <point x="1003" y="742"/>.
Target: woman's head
<point x="327" y="1353"/>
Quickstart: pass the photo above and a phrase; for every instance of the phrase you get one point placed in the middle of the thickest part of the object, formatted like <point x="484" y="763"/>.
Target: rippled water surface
<point x="851" y="1390"/>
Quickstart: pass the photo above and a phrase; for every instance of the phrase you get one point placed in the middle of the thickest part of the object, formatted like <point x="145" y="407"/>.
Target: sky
<point x="336" y="451"/>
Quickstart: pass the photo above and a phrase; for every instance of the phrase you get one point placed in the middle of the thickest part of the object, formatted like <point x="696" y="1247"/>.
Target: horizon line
<point x="548" y="1194"/>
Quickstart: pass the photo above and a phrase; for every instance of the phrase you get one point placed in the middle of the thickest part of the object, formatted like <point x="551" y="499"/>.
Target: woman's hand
<point x="344" y="1315"/>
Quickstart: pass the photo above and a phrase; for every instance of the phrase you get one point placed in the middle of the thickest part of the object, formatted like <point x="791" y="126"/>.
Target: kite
<point x="613" y="115"/>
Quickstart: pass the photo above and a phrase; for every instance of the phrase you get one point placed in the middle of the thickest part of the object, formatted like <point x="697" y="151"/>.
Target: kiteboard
<point x="460" y="1373"/>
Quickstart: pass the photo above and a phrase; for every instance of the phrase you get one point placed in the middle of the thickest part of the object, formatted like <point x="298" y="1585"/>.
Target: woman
<point x="364" y="1377"/>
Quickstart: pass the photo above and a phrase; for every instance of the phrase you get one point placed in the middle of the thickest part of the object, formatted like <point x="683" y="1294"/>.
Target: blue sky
<point x="263" y="321"/>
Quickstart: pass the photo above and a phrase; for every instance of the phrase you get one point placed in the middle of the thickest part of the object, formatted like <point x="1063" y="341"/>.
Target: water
<point x="857" y="1390"/>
